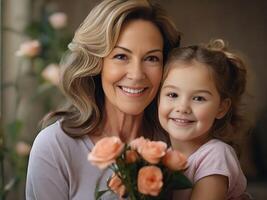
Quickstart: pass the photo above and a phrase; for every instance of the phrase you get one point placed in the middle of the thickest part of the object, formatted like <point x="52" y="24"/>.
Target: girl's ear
<point x="224" y="108"/>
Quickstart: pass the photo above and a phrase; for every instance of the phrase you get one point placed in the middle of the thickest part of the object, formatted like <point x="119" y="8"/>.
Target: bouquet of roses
<point x="143" y="169"/>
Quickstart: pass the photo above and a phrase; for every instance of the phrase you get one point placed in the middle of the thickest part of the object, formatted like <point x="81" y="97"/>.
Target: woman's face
<point x="132" y="72"/>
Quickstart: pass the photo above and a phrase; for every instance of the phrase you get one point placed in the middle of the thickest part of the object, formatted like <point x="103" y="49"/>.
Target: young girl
<point x="199" y="108"/>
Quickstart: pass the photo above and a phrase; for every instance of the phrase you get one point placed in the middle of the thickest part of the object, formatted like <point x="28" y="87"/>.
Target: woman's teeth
<point x="132" y="91"/>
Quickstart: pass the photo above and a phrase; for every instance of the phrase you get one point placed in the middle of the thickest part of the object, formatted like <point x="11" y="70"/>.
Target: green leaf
<point x="14" y="128"/>
<point x="98" y="194"/>
<point x="179" y="181"/>
<point x="34" y="29"/>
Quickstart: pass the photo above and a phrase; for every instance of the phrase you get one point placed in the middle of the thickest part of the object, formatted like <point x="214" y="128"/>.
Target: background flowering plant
<point x="143" y="169"/>
<point x="30" y="91"/>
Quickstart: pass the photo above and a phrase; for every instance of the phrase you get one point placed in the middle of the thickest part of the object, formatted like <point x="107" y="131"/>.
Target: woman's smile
<point x="131" y="91"/>
<point x="131" y="73"/>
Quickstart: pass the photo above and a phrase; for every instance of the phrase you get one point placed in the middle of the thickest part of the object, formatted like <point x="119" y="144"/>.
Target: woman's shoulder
<point x="51" y="133"/>
<point x="51" y="139"/>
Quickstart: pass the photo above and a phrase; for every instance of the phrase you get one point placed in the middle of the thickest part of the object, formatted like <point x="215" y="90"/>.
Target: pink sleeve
<point x="220" y="159"/>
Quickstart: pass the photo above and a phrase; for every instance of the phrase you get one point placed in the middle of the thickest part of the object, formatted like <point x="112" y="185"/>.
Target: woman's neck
<point x="126" y="126"/>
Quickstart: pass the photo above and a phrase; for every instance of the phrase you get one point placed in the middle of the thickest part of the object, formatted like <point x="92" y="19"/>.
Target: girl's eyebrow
<point x="204" y="91"/>
<point x="129" y="51"/>
<point x="170" y="87"/>
<point x="194" y="91"/>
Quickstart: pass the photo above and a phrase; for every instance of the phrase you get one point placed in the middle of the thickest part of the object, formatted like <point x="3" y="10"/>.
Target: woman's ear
<point x="224" y="108"/>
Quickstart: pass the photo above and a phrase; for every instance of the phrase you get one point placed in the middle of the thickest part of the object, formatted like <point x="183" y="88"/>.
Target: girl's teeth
<point x="132" y="91"/>
<point x="182" y="120"/>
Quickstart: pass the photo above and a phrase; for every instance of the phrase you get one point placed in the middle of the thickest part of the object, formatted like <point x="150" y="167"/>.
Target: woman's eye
<point x="199" y="98"/>
<point x="120" y="57"/>
<point x="152" y="59"/>
<point x="172" y="95"/>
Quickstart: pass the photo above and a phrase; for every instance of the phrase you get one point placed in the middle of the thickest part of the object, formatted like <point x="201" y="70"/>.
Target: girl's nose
<point x="183" y="107"/>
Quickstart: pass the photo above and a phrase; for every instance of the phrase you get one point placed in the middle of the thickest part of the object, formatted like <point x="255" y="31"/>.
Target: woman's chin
<point x="132" y="110"/>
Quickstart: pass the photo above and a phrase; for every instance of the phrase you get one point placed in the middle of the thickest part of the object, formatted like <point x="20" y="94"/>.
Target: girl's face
<point x="132" y="72"/>
<point x="189" y="102"/>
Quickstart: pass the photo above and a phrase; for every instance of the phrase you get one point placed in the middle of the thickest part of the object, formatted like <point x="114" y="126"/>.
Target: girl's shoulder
<point x="217" y="157"/>
<point x="214" y="148"/>
<point x="214" y="157"/>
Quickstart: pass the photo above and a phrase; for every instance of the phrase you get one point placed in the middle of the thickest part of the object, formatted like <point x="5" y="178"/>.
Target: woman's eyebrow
<point x="123" y="48"/>
<point x="128" y="50"/>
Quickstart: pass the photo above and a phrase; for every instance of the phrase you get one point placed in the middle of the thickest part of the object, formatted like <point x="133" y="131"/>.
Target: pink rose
<point x="106" y="151"/>
<point x="58" y="20"/>
<point x="150" y="180"/>
<point x="23" y="149"/>
<point x="52" y="74"/>
<point x="29" y="49"/>
<point x="153" y="151"/>
<point x="115" y="184"/>
<point x="174" y="160"/>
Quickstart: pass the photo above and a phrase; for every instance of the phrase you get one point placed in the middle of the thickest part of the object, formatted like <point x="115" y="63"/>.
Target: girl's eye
<point x="199" y="98"/>
<point x="172" y="95"/>
<point x="120" y="57"/>
<point x="152" y="59"/>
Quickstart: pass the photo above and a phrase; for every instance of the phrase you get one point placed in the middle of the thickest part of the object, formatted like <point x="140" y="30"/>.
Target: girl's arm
<point x="213" y="187"/>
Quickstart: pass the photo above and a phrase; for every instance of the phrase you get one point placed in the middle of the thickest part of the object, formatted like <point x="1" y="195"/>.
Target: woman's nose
<point x="136" y="71"/>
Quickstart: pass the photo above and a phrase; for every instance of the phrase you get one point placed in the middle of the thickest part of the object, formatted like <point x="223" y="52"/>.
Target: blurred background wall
<point x="242" y="23"/>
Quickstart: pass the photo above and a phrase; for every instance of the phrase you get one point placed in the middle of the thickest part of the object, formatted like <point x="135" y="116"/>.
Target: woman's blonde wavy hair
<point x="230" y="75"/>
<point x="82" y="64"/>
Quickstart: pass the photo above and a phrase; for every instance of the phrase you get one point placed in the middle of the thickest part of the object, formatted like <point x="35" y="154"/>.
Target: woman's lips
<point x="133" y="91"/>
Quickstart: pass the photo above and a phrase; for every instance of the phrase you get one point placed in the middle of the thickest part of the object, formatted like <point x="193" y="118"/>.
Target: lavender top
<point x="58" y="168"/>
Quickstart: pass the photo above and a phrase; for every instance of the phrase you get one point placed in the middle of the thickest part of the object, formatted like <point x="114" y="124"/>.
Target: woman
<point x="111" y="76"/>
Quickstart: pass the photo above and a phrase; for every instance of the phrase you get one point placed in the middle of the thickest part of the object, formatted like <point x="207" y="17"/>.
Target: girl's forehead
<point x="192" y="70"/>
<point x="183" y="63"/>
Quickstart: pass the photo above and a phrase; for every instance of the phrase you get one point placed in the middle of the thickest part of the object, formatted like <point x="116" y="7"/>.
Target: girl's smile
<point x="189" y="102"/>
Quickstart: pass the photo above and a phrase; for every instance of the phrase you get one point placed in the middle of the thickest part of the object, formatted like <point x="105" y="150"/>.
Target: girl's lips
<point x="181" y="121"/>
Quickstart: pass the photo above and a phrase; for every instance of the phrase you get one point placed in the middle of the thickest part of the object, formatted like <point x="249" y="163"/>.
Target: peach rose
<point x="174" y="160"/>
<point x="138" y="143"/>
<point x="58" y="20"/>
<point x="131" y="156"/>
<point x="153" y="151"/>
<point x="150" y="180"/>
<point x="52" y="74"/>
<point x="106" y="151"/>
<point x="29" y="48"/>
<point x="115" y="184"/>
